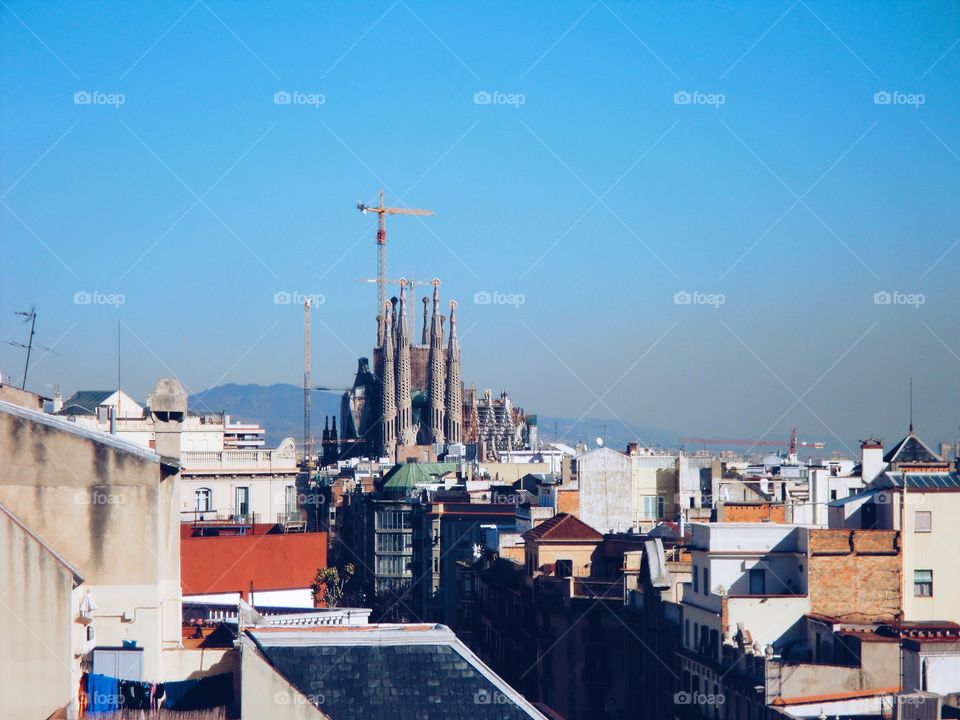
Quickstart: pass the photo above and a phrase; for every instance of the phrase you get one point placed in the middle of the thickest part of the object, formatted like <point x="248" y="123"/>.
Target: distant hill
<point x="279" y="408"/>
<point x="616" y="433"/>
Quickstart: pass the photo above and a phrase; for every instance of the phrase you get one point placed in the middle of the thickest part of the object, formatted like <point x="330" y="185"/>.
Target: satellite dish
<point x="599" y="442"/>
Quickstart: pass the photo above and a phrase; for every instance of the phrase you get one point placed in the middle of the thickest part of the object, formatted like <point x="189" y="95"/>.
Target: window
<point x="696" y="579"/>
<point x="652" y="507"/>
<point x="706" y="581"/>
<point x="758" y="582"/>
<point x="290" y="499"/>
<point x="203" y="498"/>
<point x="243" y="501"/>
<point x="923" y="583"/>
<point x="391" y="542"/>
<point x="686" y="633"/>
<point x="564" y="568"/>
<point x="922" y="521"/>
<point x="394" y="519"/>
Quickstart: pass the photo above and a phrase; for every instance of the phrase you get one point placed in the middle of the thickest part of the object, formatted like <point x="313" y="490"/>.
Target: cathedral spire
<point x="405" y="433"/>
<point x="454" y="404"/>
<point x="388" y="416"/>
<point x="436" y="390"/>
<point x="424" y="340"/>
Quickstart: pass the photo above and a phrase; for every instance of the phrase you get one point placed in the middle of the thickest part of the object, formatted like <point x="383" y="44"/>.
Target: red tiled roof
<point x="563" y="526"/>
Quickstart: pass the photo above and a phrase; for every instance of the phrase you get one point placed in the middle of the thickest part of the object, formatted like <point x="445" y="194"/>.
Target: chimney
<point x="871" y="459"/>
<point x="168" y="408"/>
<point x="57" y="402"/>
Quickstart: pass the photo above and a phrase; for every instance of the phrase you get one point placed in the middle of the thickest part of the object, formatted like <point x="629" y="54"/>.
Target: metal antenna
<point x="29" y="316"/>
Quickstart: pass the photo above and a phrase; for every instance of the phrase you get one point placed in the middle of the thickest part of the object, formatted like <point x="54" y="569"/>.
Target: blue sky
<point x="787" y="188"/>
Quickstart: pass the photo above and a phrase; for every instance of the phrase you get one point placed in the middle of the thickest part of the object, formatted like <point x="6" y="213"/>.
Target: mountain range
<point x="279" y="409"/>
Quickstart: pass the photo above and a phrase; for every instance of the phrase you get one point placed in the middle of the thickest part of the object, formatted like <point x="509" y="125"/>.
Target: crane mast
<point x="382" y="213"/>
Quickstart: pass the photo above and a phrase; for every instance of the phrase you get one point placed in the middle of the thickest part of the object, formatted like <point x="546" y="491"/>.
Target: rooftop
<point x="65" y="425"/>
<point x="563" y="527"/>
<point x="383" y="672"/>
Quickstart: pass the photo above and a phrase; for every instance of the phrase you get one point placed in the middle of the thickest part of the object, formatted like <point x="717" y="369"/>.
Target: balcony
<point x="199" y="462"/>
<point x="220" y="523"/>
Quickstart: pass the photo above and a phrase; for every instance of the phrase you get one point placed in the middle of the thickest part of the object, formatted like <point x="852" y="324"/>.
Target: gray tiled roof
<point x="393" y="682"/>
<point x="925" y="481"/>
<point x="910" y="449"/>
<point x="85" y="402"/>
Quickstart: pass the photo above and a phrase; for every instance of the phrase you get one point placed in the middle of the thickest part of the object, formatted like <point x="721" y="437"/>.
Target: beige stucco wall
<point x="547" y="553"/>
<point x="36" y="671"/>
<point x="267" y="694"/>
<point x="111" y="514"/>
<point x="938" y="551"/>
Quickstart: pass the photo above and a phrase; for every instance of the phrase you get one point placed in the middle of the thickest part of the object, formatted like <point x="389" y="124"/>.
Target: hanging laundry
<point x="134" y="695"/>
<point x="102" y="693"/>
<point x="207" y="692"/>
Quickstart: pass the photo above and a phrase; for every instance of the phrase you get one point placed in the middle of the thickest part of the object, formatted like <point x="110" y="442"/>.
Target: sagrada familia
<point x="414" y="399"/>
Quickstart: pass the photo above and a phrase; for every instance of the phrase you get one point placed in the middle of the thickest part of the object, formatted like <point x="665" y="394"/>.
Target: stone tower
<point x="388" y="404"/>
<point x="405" y="433"/>
<point x="436" y="389"/>
<point x="454" y="387"/>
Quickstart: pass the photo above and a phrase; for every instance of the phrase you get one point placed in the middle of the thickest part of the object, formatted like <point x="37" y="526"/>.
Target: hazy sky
<point x="780" y="163"/>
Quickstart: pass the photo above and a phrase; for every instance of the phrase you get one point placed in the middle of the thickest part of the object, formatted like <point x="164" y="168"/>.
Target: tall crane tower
<point x="307" y="437"/>
<point x="382" y="213"/>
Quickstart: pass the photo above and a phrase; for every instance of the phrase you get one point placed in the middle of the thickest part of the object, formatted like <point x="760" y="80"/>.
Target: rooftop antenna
<point x="911" y="404"/>
<point x="307" y="438"/>
<point x="29" y="316"/>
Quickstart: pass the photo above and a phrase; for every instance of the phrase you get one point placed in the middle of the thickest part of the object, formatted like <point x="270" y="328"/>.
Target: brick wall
<point x="735" y="512"/>
<point x="855" y="572"/>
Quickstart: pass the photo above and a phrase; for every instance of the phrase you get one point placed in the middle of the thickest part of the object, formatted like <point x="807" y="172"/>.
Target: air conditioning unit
<point x="916" y="706"/>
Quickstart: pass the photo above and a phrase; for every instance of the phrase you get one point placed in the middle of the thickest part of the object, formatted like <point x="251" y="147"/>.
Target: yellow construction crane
<point x="382" y="212"/>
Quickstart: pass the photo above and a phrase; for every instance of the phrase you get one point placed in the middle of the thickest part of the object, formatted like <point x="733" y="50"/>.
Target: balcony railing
<point x="291" y="521"/>
<point x="241" y="523"/>
<point x="219" y="460"/>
